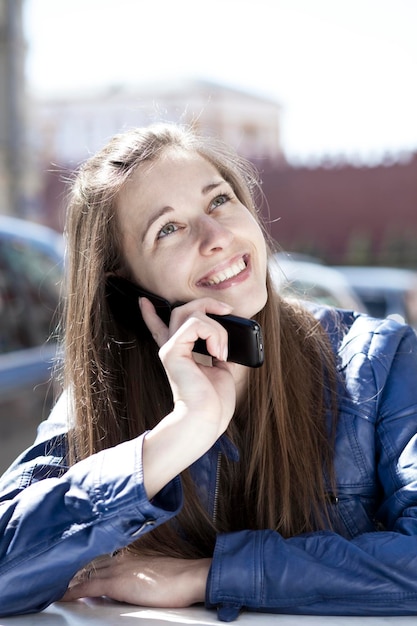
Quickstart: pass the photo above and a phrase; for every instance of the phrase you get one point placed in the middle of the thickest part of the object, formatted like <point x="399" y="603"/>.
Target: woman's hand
<point x="155" y="581"/>
<point x="204" y="395"/>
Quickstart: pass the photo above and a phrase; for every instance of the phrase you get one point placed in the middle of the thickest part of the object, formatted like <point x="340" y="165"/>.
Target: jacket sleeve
<point x="325" y="573"/>
<point x="55" y="520"/>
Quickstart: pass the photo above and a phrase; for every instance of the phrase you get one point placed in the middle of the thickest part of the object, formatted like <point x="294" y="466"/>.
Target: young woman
<point x="164" y="478"/>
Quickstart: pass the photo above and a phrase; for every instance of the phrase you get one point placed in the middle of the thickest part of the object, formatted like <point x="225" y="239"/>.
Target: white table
<point x="102" y="612"/>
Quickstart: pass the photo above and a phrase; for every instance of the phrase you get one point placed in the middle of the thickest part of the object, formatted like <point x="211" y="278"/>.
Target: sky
<point x="343" y="71"/>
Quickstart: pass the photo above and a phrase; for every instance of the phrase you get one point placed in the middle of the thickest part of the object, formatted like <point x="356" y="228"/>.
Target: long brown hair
<point x="119" y="388"/>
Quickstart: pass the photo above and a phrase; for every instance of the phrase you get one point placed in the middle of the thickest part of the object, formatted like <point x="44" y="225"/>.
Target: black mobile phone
<point x="245" y="342"/>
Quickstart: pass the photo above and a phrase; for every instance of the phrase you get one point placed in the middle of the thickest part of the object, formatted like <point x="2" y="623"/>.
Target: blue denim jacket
<point x="54" y="519"/>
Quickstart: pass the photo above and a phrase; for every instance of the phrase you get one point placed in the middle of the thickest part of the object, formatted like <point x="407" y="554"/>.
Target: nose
<point x="212" y="235"/>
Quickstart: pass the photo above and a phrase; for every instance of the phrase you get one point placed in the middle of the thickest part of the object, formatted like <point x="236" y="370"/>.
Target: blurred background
<point x="321" y="96"/>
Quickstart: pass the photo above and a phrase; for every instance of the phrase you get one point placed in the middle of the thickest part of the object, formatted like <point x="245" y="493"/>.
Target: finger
<point x="197" y="327"/>
<point x="193" y="316"/>
<point x="152" y="320"/>
<point x="202" y="305"/>
<point x="215" y="337"/>
<point x="93" y="588"/>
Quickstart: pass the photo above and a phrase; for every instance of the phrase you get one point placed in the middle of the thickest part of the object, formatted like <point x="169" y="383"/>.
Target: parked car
<point x="31" y="271"/>
<point x="386" y="291"/>
<point x="309" y="279"/>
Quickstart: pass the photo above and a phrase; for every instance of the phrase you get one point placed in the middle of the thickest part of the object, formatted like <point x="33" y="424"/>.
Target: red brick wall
<point x="322" y="210"/>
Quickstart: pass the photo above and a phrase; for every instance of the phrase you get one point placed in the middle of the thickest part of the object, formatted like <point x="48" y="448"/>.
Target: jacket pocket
<point x="352" y="515"/>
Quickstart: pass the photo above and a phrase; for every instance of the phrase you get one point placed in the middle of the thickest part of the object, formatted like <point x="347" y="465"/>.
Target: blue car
<point x="31" y="272"/>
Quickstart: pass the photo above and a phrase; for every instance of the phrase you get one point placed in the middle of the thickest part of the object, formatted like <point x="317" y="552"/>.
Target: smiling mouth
<point x="230" y="272"/>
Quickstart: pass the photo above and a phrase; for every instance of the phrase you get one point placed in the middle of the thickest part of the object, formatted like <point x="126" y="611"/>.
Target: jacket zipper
<point x="216" y="487"/>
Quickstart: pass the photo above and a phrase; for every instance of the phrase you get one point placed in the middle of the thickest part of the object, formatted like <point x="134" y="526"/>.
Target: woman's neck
<point x="240" y="374"/>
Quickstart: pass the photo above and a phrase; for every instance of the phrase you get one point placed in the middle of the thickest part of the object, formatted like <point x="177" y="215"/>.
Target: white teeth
<point x="231" y="271"/>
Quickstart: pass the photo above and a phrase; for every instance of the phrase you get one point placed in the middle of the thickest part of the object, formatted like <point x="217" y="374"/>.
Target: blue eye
<point x="166" y="230"/>
<point x="219" y="200"/>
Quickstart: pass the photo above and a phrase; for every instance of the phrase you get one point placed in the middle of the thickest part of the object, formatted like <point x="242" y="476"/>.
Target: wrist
<point x="198" y="576"/>
<point x="172" y="446"/>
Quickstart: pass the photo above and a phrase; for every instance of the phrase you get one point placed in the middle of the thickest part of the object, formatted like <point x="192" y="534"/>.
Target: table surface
<point x="100" y="611"/>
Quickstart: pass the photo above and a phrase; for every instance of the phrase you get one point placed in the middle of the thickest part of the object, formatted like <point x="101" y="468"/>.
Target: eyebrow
<point x="212" y="186"/>
<point x="168" y="209"/>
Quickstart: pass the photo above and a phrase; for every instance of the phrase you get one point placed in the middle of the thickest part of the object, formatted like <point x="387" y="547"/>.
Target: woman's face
<point x="185" y="235"/>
